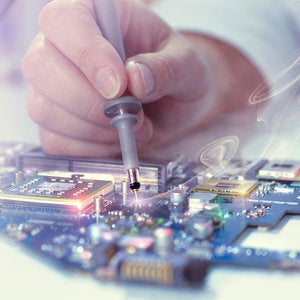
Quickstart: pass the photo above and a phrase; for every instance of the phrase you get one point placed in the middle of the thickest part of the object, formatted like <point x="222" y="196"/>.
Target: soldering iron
<point x="122" y="111"/>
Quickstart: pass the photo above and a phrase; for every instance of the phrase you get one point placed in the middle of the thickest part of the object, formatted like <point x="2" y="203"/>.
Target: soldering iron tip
<point x="136" y="194"/>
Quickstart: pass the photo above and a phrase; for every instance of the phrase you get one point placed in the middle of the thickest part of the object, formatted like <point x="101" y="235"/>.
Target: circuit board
<point x="80" y="214"/>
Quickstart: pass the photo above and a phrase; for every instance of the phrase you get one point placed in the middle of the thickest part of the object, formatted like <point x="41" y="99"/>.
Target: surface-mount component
<point x="227" y="187"/>
<point x="197" y="201"/>
<point x="280" y="170"/>
<point x="168" y="236"/>
<point x="59" y="189"/>
<point x="176" y="270"/>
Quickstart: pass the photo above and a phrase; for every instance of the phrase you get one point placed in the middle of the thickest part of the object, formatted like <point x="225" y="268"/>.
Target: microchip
<point x="280" y="170"/>
<point x="64" y="190"/>
<point x="227" y="187"/>
<point x="154" y="176"/>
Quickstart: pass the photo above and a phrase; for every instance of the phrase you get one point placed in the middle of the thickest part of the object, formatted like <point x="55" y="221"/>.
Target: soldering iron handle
<point x="124" y="125"/>
<point x="109" y="23"/>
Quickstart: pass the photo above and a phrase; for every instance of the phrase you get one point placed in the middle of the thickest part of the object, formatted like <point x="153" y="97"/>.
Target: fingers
<point x="74" y="70"/>
<point x="55" y="77"/>
<point x="144" y="131"/>
<point x="56" y="144"/>
<point x="176" y="71"/>
<point x="64" y="103"/>
<point x="52" y="117"/>
<point x="76" y="34"/>
<point x="168" y="71"/>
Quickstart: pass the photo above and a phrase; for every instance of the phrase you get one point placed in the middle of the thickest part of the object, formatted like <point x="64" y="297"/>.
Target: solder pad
<point x="227" y="187"/>
<point x="59" y="189"/>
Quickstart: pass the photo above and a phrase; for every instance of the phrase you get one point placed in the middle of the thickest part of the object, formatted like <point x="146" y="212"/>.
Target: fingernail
<point x="108" y="82"/>
<point x="147" y="77"/>
<point x="145" y="133"/>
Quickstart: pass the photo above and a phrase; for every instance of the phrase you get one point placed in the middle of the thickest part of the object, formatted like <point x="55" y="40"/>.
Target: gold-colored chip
<point x="227" y="187"/>
<point x="61" y="190"/>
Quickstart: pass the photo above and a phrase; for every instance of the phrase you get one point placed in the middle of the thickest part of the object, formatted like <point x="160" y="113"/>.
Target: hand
<point x="73" y="70"/>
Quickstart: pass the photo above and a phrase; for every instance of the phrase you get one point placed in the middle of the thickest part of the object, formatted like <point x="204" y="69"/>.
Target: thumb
<point x="178" y="71"/>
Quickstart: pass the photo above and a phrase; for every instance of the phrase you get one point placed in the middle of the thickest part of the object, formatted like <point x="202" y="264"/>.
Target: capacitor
<point x="177" y="197"/>
<point x="200" y="226"/>
<point x="19" y="177"/>
<point x="30" y="172"/>
<point x="163" y="241"/>
<point x="99" y="205"/>
<point x="198" y="200"/>
<point x="124" y="190"/>
<point x="124" y="187"/>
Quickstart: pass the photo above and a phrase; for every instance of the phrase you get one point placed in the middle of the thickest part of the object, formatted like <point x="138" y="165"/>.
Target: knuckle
<point x="94" y="112"/>
<point x="89" y="54"/>
<point x="55" y="144"/>
<point x="61" y="10"/>
<point x="50" y="142"/>
<point x="64" y="13"/>
<point x="39" y="109"/>
<point x="54" y="10"/>
<point x="166" y="71"/>
<point x="33" y="61"/>
<point x="169" y="71"/>
<point x="84" y="54"/>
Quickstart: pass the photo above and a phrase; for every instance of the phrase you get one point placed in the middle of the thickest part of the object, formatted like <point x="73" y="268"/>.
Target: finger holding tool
<point x="122" y="111"/>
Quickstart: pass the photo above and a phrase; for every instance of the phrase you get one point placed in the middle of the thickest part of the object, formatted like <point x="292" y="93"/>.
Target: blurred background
<point x="18" y="26"/>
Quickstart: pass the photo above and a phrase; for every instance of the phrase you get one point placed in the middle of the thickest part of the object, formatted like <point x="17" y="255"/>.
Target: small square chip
<point x="227" y="187"/>
<point x="62" y="190"/>
<point x="280" y="170"/>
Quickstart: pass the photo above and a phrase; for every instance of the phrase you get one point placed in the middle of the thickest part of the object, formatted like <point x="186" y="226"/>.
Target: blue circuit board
<point x="80" y="214"/>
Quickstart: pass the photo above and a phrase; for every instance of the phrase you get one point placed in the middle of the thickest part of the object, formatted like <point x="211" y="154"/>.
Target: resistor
<point x="200" y="226"/>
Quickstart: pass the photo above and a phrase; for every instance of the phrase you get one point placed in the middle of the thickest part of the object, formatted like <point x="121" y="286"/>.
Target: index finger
<point x="71" y="27"/>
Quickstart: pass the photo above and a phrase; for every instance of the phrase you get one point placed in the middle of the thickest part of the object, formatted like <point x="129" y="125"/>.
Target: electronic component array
<point x="80" y="214"/>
